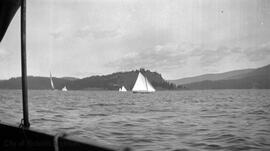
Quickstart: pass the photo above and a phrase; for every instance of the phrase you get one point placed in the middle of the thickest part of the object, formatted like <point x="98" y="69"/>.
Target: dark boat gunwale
<point x="14" y="137"/>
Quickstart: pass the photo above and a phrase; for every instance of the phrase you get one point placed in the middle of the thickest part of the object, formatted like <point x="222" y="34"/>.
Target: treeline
<point x="99" y="82"/>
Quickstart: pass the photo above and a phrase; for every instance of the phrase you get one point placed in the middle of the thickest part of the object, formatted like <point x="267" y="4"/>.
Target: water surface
<point x="165" y="120"/>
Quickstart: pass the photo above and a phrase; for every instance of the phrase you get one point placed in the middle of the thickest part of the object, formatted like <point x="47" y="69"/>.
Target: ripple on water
<point x="165" y="120"/>
<point x="89" y="115"/>
<point x="258" y="112"/>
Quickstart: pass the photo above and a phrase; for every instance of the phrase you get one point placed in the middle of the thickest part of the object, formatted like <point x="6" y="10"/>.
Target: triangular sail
<point x="64" y="88"/>
<point x="149" y="86"/>
<point x="52" y="85"/>
<point x="142" y="84"/>
<point x="123" y="88"/>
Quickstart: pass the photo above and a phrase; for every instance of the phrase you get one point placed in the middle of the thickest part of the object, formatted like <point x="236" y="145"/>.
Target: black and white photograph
<point x="135" y="75"/>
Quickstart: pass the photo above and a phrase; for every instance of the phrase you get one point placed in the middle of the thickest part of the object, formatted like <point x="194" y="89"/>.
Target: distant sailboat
<point x="52" y="85"/>
<point x="64" y="88"/>
<point x="123" y="89"/>
<point x="142" y="85"/>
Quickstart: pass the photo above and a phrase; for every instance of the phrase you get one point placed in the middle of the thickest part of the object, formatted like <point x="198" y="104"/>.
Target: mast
<point x="26" y="123"/>
<point x="52" y="85"/>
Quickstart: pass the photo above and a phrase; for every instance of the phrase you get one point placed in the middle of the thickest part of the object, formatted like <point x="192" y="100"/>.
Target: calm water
<point x="167" y="120"/>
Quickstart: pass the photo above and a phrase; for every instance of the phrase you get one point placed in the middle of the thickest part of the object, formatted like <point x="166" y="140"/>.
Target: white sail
<point x="124" y="89"/>
<point x="149" y="86"/>
<point x="64" y="88"/>
<point x="52" y="85"/>
<point x="142" y="85"/>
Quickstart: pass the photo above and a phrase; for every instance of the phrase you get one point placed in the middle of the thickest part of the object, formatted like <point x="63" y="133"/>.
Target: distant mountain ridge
<point x="70" y="78"/>
<point x="212" y="77"/>
<point x="245" y="79"/>
<point x="104" y="82"/>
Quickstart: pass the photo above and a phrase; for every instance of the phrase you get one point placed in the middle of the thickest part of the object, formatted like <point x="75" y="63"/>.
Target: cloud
<point x="208" y="57"/>
<point x="258" y="53"/>
<point x="84" y="33"/>
<point x="97" y="34"/>
<point x="159" y="57"/>
<point x="3" y="52"/>
<point x="57" y="35"/>
<point x="179" y="38"/>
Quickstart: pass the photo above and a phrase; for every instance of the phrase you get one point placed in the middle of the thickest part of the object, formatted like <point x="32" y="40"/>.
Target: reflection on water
<point x="165" y="120"/>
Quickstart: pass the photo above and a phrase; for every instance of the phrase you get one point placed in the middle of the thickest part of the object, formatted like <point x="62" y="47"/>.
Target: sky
<point x="177" y="38"/>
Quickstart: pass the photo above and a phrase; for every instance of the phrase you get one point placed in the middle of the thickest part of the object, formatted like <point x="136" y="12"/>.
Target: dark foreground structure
<point x="15" y="137"/>
<point x="22" y="137"/>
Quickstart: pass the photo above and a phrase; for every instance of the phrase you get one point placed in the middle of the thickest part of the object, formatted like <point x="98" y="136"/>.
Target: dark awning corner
<point x="8" y="9"/>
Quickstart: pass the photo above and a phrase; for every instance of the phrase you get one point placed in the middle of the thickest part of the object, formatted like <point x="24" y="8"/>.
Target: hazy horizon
<point x="181" y="38"/>
<point x="67" y="76"/>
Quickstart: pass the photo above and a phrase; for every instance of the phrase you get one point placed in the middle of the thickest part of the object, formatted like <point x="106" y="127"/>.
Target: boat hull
<point x="14" y="138"/>
<point x="142" y="92"/>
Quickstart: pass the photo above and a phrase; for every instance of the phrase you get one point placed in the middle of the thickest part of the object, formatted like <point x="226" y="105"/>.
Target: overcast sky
<point x="177" y="38"/>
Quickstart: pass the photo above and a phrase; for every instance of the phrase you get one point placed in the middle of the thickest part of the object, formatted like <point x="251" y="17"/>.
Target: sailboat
<point x="52" y="85"/>
<point x="22" y="136"/>
<point x="142" y="85"/>
<point x="123" y="89"/>
<point x="64" y="88"/>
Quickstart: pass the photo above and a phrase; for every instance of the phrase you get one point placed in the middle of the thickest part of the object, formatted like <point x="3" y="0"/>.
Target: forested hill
<point x="100" y="82"/>
<point x="116" y="80"/>
<point x="33" y="83"/>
